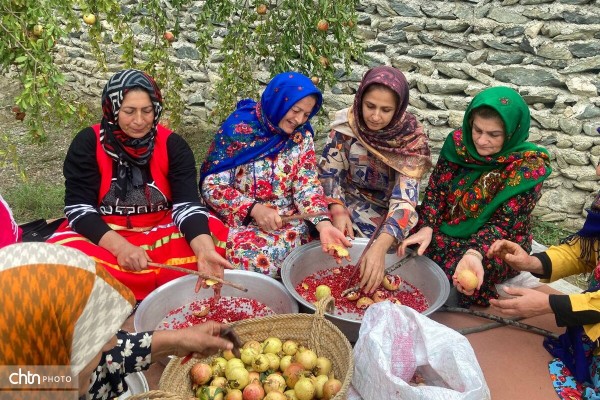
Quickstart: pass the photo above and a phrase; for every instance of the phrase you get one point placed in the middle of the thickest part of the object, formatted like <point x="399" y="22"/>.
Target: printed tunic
<point x="512" y="221"/>
<point x="368" y="187"/>
<point x="287" y="182"/>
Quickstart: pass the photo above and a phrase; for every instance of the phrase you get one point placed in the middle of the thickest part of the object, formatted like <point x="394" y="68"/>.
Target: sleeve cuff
<point x="92" y="226"/>
<point x="248" y="218"/>
<point x="194" y="226"/>
<point x="546" y="265"/>
<point x="561" y="306"/>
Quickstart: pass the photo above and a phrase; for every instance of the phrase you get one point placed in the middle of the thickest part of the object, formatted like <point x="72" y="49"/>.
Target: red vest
<point x="159" y="163"/>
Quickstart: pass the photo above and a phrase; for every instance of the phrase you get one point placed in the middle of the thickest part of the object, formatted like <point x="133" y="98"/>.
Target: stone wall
<point x="450" y="50"/>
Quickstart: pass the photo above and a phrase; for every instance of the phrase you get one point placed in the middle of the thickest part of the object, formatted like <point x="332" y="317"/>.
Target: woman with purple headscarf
<point x="372" y="165"/>
<point x="261" y="167"/>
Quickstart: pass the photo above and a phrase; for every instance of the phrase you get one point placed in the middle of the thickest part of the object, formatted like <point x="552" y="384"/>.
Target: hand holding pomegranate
<point x="330" y="235"/>
<point x="373" y="263"/>
<point x="468" y="275"/>
<point x="526" y="303"/>
<point x="517" y="258"/>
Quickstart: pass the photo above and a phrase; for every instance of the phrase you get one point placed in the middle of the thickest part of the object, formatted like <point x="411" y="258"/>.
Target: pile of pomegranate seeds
<point x="226" y="309"/>
<point x="337" y="279"/>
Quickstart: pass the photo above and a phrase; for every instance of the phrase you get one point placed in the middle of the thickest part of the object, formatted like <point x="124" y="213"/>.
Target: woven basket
<point x="310" y="330"/>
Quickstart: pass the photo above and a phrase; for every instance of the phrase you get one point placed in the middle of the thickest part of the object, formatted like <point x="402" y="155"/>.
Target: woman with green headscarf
<point x="484" y="187"/>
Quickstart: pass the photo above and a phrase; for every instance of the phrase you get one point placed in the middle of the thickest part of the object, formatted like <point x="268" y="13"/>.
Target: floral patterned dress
<point x="287" y="182"/>
<point x="368" y="187"/>
<point x="131" y="354"/>
<point x="512" y="221"/>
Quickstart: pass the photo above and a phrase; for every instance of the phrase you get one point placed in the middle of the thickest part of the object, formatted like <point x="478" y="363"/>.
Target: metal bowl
<point x="179" y="292"/>
<point x="420" y="271"/>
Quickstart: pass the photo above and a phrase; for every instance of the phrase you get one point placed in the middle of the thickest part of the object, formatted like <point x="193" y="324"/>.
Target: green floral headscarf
<point x="486" y="182"/>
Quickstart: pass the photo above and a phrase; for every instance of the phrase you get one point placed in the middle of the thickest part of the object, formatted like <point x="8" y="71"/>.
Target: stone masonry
<point x="450" y="50"/>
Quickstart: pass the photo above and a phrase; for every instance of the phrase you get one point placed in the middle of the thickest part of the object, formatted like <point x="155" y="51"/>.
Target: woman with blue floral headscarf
<point x="261" y="167"/>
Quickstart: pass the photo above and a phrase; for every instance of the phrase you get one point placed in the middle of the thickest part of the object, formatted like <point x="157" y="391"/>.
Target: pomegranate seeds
<point x="226" y="309"/>
<point x="335" y="278"/>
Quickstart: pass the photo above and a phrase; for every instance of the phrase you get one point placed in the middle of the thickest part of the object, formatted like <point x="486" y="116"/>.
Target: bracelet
<point x="474" y="253"/>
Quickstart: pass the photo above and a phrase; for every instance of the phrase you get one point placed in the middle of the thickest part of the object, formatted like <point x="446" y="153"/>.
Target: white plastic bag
<point x="396" y="341"/>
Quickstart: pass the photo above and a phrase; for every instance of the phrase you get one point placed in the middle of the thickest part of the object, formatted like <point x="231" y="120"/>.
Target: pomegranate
<point x="248" y="355"/>
<point x="307" y="358"/>
<point x="260" y="363"/>
<point x="322" y="25"/>
<point x="200" y="373"/>
<point x="379" y="296"/>
<point x="331" y="388"/>
<point x="322" y="292"/>
<point x="285" y="362"/>
<point x="272" y="345"/>
<point x="467" y="279"/>
<point x="238" y="378"/>
<point x="276" y="396"/>
<point x="319" y="382"/>
<point x="218" y="366"/>
<point x="391" y="282"/>
<point x="253" y="344"/>
<point x="234" y="394"/>
<point x="292" y="373"/>
<point x="304" y="389"/>
<point x="323" y="366"/>
<point x="395" y="301"/>
<point x="253" y="391"/>
<point x="233" y="363"/>
<point x="219" y="381"/>
<point x="364" y="302"/>
<point x="353" y="295"/>
<point x="274" y="382"/>
<point x="210" y="393"/>
<point x="274" y="361"/>
<point x="290" y="394"/>
<point x="290" y="347"/>
<point x="253" y="376"/>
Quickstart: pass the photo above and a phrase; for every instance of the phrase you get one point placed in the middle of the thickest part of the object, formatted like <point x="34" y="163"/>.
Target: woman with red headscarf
<point x="372" y="166"/>
<point x="131" y="194"/>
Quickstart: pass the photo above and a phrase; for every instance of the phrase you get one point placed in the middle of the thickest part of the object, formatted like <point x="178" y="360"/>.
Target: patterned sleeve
<point x="333" y="167"/>
<point x="308" y="192"/>
<point x="131" y="354"/>
<point x="435" y="197"/>
<point x="402" y="215"/>
<point x="190" y="216"/>
<point x="229" y="203"/>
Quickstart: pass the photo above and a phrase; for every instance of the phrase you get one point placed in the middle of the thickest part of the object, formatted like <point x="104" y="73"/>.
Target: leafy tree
<point x="248" y="35"/>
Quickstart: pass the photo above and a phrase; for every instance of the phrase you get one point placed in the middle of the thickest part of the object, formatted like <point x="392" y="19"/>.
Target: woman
<point x="372" y="165"/>
<point x="486" y="183"/>
<point x="574" y="372"/>
<point x="131" y="194"/>
<point x="260" y="168"/>
<point x="61" y="308"/>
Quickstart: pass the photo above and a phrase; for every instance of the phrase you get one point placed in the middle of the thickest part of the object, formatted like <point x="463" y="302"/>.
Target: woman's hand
<point x="209" y="261"/>
<point x="472" y="263"/>
<point x="201" y="340"/>
<point x="129" y="257"/>
<point x="517" y="258"/>
<point x="340" y="218"/>
<point x="372" y="265"/>
<point x="328" y="234"/>
<point x="266" y="218"/>
<point x="528" y="303"/>
<point x="422" y="237"/>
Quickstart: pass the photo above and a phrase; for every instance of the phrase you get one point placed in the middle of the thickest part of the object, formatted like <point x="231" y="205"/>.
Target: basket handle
<point x="325" y="304"/>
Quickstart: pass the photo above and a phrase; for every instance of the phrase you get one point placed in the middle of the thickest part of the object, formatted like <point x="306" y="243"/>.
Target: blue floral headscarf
<point x="251" y="132"/>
